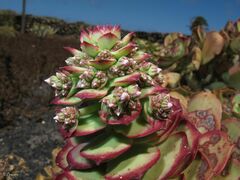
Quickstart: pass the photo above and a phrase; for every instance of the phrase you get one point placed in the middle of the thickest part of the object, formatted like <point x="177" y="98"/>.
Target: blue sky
<point x="144" y="15"/>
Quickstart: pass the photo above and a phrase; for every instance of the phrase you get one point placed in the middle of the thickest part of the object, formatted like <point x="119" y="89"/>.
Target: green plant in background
<point x="119" y="122"/>
<point x="7" y="18"/>
<point x="7" y="31"/>
<point x="42" y="30"/>
<point x="196" y="57"/>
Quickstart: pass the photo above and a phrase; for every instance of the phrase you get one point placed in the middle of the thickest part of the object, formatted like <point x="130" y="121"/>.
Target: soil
<point x="27" y="132"/>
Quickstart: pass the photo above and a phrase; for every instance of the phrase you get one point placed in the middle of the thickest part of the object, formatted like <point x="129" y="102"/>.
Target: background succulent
<point x="121" y="123"/>
<point x="195" y="58"/>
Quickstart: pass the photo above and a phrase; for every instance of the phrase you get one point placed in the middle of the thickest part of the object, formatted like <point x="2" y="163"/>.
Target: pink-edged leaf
<point x="125" y="40"/>
<point x="74" y="69"/>
<point x="205" y="111"/>
<point x="89" y="125"/>
<point x="204" y="120"/>
<point x="91" y="94"/>
<point x="126" y="80"/>
<point x="107" y="41"/>
<point x="90" y="49"/>
<point x="232" y="171"/>
<point x="73" y="51"/>
<point x="94" y="174"/>
<point x="67" y="131"/>
<point x="66" y="101"/>
<point x="232" y="127"/>
<point x="152" y="90"/>
<point x="102" y="64"/>
<point x="84" y="37"/>
<point x="76" y="161"/>
<point x="216" y="148"/>
<point x="65" y="176"/>
<point x="124" y="119"/>
<point x="182" y="99"/>
<point x="73" y="141"/>
<point x="133" y="164"/>
<point x="138" y="128"/>
<point x="124" y="51"/>
<point x="106" y="147"/>
<point x="176" y="117"/>
<point x="199" y="169"/>
<point x="61" y="159"/>
<point x="192" y="135"/>
<point x="141" y="56"/>
<point x="175" y="155"/>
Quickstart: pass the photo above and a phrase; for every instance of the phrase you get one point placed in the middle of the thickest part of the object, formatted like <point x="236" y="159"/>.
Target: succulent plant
<point x="196" y="57"/>
<point x="42" y="30"/>
<point x="119" y="122"/>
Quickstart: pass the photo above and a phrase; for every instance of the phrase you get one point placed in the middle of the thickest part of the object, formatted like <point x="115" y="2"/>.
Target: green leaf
<point x="107" y="41"/>
<point x="126" y="80"/>
<point x="133" y="164"/>
<point x="81" y="175"/>
<point x="89" y="125"/>
<point x="90" y="49"/>
<point x="174" y="155"/>
<point x="106" y="147"/>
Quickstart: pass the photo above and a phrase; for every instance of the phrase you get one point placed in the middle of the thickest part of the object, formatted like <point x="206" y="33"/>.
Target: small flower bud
<point x="161" y="105"/>
<point x="66" y="116"/>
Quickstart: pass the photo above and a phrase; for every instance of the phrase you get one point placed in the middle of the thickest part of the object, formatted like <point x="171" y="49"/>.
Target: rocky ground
<point x="27" y="131"/>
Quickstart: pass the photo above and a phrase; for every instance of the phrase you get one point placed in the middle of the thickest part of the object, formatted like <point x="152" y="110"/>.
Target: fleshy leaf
<point x="206" y="110"/>
<point x="138" y="128"/>
<point x="66" y="101"/>
<point x="125" y="40"/>
<point x="89" y="109"/>
<point x="216" y="148"/>
<point x="78" y="175"/>
<point x="61" y="159"/>
<point x="91" y="94"/>
<point x="124" y="51"/>
<point x="232" y="127"/>
<point x="74" y="69"/>
<point x="90" y="49"/>
<point x="76" y="161"/>
<point x="175" y="153"/>
<point x="84" y="37"/>
<point x="232" y="172"/>
<point x="74" y="51"/>
<point x="172" y="79"/>
<point x="203" y="120"/>
<point x="145" y="92"/>
<point x="126" y="80"/>
<point x="235" y="45"/>
<point x="198" y="170"/>
<point x="212" y="46"/>
<point x="140" y="56"/>
<point x="89" y="125"/>
<point x="106" y="147"/>
<point x="192" y="135"/>
<point x="133" y="165"/>
<point x="102" y="64"/>
<point x="236" y="105"/>
<point x="107" y="41"/>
